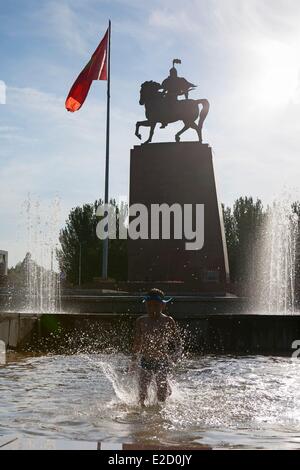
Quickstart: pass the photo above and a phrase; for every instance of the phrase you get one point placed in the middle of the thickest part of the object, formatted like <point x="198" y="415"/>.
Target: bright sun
<point x="277" y="74"/>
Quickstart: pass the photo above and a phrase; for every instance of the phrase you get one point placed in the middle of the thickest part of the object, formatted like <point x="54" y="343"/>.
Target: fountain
<point x="276" y="280"/>
<point x="42" y="285"/>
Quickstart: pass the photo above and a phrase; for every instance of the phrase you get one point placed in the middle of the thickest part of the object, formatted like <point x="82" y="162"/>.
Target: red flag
<point x="96" y="69"/>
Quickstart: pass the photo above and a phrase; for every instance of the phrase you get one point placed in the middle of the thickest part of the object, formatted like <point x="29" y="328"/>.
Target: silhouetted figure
<point x="157" y="346"/>
<point x="164" y="107"/>
<point x="174" y="86"/>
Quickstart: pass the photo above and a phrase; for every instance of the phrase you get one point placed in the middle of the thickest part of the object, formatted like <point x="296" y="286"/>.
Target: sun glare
<point x="277" y="74"/>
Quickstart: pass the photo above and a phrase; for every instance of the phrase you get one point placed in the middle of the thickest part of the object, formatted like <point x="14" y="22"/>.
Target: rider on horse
<point x="164" y="107"/>
<point x="174" y="86"/>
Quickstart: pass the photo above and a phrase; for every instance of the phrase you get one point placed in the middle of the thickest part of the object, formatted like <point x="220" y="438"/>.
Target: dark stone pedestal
<point x="179" y="173"/>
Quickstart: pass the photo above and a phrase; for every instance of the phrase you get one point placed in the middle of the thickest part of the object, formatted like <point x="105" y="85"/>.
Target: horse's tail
<point x="204" y="112"/>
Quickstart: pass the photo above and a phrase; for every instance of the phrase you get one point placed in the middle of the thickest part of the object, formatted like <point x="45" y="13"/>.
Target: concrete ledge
<point x="20" y="443"/>
<point x="16" y="328"/>
<point x="239" y="334"/>
<point x="4" y="331"/>
<point x="93" y="301"/>
<point x="205" y="333"/>
<point x="14" y="333"/>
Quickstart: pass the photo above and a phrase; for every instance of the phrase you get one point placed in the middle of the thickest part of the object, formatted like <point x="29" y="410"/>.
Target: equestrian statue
<point x="163" y="106"/>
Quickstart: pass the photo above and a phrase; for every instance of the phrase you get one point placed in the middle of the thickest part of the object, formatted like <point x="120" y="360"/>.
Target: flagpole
<point x="105" y="241"/>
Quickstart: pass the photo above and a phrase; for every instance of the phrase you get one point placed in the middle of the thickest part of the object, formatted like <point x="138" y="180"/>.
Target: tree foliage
<point x="243" y="226"/>
<point x="79" y="242"/>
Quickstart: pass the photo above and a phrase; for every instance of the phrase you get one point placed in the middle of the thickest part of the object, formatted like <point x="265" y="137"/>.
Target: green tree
<point x="19" y="274"/>
<point x="243" y="227"/>
<point x="79" y="242"/>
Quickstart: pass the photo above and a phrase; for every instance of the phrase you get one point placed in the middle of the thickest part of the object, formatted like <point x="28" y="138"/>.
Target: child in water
<point x="156" y="334"/>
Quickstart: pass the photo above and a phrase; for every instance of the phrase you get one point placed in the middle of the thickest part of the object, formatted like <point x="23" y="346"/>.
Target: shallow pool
<point x="226" y="402"/>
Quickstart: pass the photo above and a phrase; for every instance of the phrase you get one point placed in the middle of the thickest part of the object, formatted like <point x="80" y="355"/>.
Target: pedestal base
<point x="178" y="173"/>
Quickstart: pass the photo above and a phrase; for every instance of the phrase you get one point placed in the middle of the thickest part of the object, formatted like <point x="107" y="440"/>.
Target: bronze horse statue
<point x="161" y="109"/>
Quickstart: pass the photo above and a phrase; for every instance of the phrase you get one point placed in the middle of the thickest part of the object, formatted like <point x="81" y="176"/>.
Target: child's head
<point x="155" y="301"/>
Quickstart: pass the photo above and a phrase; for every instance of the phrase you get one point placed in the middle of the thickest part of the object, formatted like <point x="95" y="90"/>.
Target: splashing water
<point x="42" y="281"/>
<point x="245" y="402"/>
<point x="125" y="385"/>
<point x="278" y="259"/>
<point x="126" y="391"/>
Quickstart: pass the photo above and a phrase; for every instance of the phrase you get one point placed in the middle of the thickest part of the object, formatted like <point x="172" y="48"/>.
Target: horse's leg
<point x="177" y="136"/>
<point x="137" y="127"/>
<point x="153" y="124"/>
<point x="193" y="125"/>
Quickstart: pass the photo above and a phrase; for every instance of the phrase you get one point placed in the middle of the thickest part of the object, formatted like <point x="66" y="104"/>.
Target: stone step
<point x="20" y="443"/>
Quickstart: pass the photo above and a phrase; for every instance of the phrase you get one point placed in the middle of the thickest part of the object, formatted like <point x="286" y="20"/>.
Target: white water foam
<point x="275" y="289"/>
<point x="42" y="279"/>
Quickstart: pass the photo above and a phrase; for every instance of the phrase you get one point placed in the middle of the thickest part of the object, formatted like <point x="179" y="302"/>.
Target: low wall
<point x="132" y="304"/>
<point x="204" y="332"/>
<point x="94" y="301"/>
<point x="237" y="334"/>
<point x="16" y="329"/>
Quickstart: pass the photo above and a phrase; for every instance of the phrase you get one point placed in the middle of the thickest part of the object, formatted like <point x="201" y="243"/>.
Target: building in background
<point x="3" y="263"/>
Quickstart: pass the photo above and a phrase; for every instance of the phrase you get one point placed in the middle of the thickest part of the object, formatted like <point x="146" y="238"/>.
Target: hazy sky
<point x="243" y="54"/>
